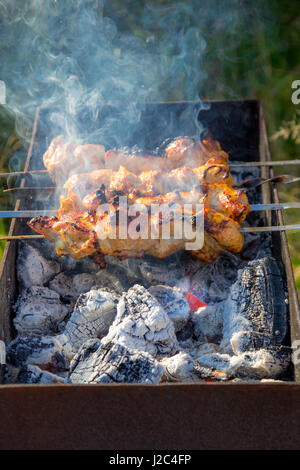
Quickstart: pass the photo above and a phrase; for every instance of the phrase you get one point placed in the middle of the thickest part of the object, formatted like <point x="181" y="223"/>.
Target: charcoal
<point x="174" y="304"/>
<point x="33" y="269"/>
<point x="256" y="303"/>
<point x="260" y="364"/>
<point x="208" y="322"/>
<point x="142" y="323"/>
<point x="243" y="341"/>
<point x="187" y="332"/>
<point x="112" y="280"/>
<point x="39" y="311"/>
<point x="264" y="363"/>
<point x="70" y="287"/>
<point x="30" y="374"/>
<point x="210" y="373"/>
<point x="93" y="314"/>
<point x="46" y="352"/>
<point x="104" y="362"/>
<point x="211" y="282"/>
<point x="178" y="368"/>
<point x="256" y="245"/>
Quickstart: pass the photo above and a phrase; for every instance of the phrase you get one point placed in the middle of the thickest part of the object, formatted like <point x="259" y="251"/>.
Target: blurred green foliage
<point x="249" y="49"/>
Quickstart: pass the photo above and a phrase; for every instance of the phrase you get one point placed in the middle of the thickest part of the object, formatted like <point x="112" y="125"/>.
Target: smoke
<point x="79" y="57"/>
<point x="70" y="56"/>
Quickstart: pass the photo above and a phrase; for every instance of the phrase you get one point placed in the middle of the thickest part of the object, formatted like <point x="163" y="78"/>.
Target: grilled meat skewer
<point x="63" y="158"/>
<point x="189" y="172"/>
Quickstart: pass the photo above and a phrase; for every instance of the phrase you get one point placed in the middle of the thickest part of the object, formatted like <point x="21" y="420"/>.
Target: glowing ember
<point x="194" y="302"/>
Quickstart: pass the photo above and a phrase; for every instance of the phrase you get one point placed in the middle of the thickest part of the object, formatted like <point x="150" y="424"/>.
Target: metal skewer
<point x="26" y="214"/>
<point x="23" y="173"/>
<point x="249" y="183"/>
<point x="271" y="228"/>
<point x="268" y="163"/>
<point x="51" y="212"/>
<point x="256" y="182"/>
<point x="19" y="237"/>
<point x="230" y="164"/>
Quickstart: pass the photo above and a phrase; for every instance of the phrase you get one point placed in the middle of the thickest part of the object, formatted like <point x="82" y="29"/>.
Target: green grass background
<point x="252" y="51"/>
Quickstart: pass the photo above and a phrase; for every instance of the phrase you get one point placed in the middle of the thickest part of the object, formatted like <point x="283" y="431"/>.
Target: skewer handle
<point x="271" y="228"/>
<point x="19" y="237"/>
<point x="25" y="214"/>
<point x="23" y="173"/>
<point x="271" y="163"/>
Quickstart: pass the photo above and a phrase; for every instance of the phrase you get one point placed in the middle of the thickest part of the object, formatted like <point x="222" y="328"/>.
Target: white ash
<point x="208" y="322"/>
<point x="174" y="304"/>
<point x="33" y="269"/>
<point x="143" y="324"/>
<point x="243" y="341"/>
<point x="92" y="316"/>
<point x="263" y="363"/>
<point x="98" y="362"/>
<point x="256" y="303"/>
<point x="47" y="352"/>
<point x="39" y="311"/>
<point x="30" y="374"/>
<point x="178" y="368"/>
<point x="195" y="350"/>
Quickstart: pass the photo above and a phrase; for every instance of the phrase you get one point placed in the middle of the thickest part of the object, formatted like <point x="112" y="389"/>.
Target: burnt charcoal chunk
<point x="174" y="304"/>
<point x="30" y="374"/>
<point x="243" y="341"/>
<point x="47" y="352"/>
<point x="211" y="282"/>
<point x="178" y="368"/>
<point x="263" y="363"/>
<point x="208" y="322"/>
<point x="33" y="269"/>
<point x="93" y="314"/>
<point x="143" y="324"/>
<point x="39" y="311"/>
<point x="98" y="362"/>
<point x="187" y="332"/>
<point x="209" y="373"/>
<point x="69" y="287"/>
<point x="256" y="303"/>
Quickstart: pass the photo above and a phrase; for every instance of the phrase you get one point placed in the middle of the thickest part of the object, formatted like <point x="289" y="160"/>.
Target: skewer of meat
<point x="63" y="158"/>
